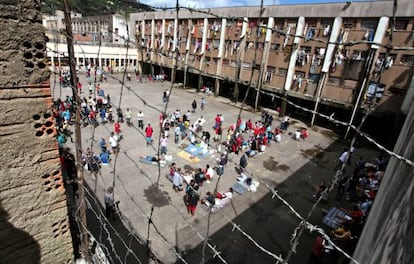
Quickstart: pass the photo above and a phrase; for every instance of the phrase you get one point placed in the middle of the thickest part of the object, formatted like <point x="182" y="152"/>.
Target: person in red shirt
<point x="249" y="124"/>
<point x="117" y="128"/>
<point x="148" y="134"/>
<point x="79" y="87"/>
<point x="256" y="131"/>
<point x="356" y="213"/>
<point x="305" y="133"/>
<point x="317" y="251"/>
<point x="239" y="120"/>
<point x="92" y="118"/>
<point x="161" y="119"/>
<point x="264" y="140"/>
<point x="217" y="122"/>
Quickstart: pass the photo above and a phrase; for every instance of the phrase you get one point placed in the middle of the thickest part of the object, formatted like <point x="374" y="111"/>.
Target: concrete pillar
<point x="295" y="47"/>
<point x="240" y="58"/>
<point x="175" y="41"/>
<point x="265" y="55"/>
<point x="163" y="41"/>
<point x="152" y="46"/>
<point x="220" y="54"/>
<point x="141" y="48"/>
<point x="379" y="36"/>
<point x="292" y="62"/>
<point x="336" y="29"/>
<point x="202" y="53"/>
<point x="187" y="51"/>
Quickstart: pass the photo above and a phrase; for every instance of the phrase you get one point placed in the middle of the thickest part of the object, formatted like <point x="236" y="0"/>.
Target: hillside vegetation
<point x="96" y="7"/>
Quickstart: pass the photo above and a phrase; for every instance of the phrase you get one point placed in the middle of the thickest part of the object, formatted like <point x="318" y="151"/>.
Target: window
<point x="334" y="80"/>
<point x="274" y="46"/>
<point x="246" y="65"/>
<point x="216" y="43"/>
<point x="349" y="23"/>
<point x="359" y="55"/>
<point x="250" y="45"/>
<point x="407" y="60"/>
<point x="369" y="24"/>
<point x="226" y="62"/>
<point x="325" y="22"/>
<point x="291" y="24"/>
<point x="282" y="72"/>
<point x="311" y="23"/>
<point x="401" y="24"/>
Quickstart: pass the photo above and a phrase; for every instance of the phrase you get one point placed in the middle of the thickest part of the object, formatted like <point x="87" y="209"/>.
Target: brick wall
<point x="34" y="224"/>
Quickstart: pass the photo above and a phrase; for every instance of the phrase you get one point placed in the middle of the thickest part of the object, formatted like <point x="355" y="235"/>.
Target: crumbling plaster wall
<point x="34" y="224"/>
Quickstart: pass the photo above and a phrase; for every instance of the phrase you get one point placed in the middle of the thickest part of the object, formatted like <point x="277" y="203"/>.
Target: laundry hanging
<point x="327" y="30"/>
<point x="286" y="37"/>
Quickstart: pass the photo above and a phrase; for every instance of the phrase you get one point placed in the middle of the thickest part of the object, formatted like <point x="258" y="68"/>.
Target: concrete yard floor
<point x="291" y="167"/>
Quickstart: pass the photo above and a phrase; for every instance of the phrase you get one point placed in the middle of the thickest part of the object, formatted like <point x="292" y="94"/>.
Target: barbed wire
<point x="301" y="227"/>
<point x="336" y="247"/>
<point x="249" y="86"/>
<point x="149" y="221"/>
<point x="311" y="227"/>
<point x="108" y="223"/>
<point x="330" y="118"/>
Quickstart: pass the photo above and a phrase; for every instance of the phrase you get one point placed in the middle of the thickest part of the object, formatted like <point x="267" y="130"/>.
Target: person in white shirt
<point x="209" y="172"/>
<point x="178" y="180"/>
<point x="140" y="117"/>
<point x="113" y="141"/>
<point x="163" y="143"/>
<point x="342" y="158"/>
<point x="110" y="204"/>
<point x="278" y="138"/>
<point x="296" y="135"/>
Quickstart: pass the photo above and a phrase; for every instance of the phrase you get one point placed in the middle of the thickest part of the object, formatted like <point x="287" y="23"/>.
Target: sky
<point x="229" y="3"/>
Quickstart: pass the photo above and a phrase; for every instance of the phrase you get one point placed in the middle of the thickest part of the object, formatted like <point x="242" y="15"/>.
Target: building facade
<point x="285" y="50"/>
<point x="98" y="41"/>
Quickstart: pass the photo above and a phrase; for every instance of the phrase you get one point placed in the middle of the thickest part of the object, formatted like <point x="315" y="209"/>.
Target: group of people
<point x="192" y="196"/>
<point x="359" y="188"/>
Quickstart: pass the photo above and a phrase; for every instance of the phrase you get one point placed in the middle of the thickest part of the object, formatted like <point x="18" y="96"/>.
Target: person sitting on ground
<point x="320" y="189"/>
<point x="178" y="180"/>
<point x="296" y="135"/>
<point x="153" y="158"/>
<point x="209" y="198"/>
<point x="251" y="153"/>
<point x="342" y="233"/>
<point x="228" y="194"/>
<point x="199" y="177"/>
<point x="243" y="162"/>
<point x="209" y="172"/>
<point x="105" y="158"/>
<point x="278" y="137"/>
<point x="304" y="133"/>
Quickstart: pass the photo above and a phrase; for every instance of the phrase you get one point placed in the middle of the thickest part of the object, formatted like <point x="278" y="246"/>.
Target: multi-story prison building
<point x="324" y="53"/>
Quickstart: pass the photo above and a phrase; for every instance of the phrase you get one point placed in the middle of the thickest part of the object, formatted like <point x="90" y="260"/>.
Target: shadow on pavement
<point x="270" y="222"/>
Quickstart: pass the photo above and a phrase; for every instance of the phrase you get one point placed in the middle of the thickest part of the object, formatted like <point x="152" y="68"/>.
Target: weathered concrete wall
<point x="389" y="232"/>
<point x="34" y="225"/>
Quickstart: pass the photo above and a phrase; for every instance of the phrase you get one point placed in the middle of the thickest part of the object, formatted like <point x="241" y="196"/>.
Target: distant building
<point x="86" y="32"/>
